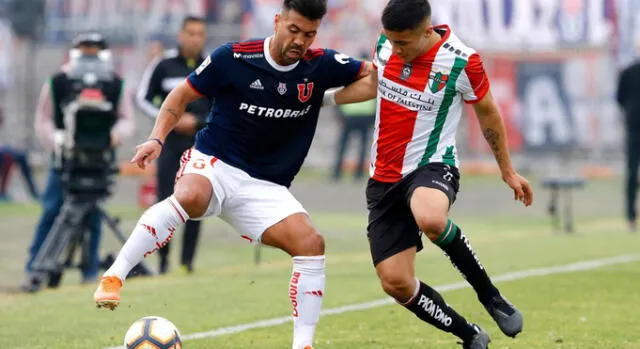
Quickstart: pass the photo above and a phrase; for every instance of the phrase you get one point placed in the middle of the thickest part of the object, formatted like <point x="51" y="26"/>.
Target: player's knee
<point x="432" y="226"/>
<point x="190" y="202"/>
<point x="310" y="244"/>
<point x="397" y="286"/>
<point x="193" y="199"/>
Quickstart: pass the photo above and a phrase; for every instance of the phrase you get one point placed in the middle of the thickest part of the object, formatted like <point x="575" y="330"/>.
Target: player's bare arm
<point x="495" y="134"/>
<point x="169" y="116"/>
<point x="361" y="90"/>
<point x="367" y="70"/>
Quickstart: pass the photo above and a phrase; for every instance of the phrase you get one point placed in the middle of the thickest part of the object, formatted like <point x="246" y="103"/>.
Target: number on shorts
<point x="198" y="164"/>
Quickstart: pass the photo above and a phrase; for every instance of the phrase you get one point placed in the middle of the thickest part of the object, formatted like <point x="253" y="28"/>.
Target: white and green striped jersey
<point x="420" y="105"/>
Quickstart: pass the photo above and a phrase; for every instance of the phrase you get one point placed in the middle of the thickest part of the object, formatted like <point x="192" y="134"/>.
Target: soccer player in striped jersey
<point x="424" y="74"/>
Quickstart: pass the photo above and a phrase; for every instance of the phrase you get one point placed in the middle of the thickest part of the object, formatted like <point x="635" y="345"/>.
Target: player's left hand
<point x="521" y="188"/>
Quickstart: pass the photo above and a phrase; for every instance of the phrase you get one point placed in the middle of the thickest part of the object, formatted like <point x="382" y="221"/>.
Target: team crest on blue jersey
<point x="282" y="88"/>
<point x="438" y="81"/>
<point x="305" y="91"/>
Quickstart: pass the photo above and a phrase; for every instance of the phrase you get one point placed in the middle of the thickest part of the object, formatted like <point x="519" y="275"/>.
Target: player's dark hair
<point x="192" y="19"/>
<point x="310" y="9"/>
<point x="401" y="15"/>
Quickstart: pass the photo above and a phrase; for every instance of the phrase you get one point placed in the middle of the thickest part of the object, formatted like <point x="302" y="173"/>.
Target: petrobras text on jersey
<point x="277" y="113"/>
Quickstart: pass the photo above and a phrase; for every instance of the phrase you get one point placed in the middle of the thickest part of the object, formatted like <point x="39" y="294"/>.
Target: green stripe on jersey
<point x="443" y="112"/>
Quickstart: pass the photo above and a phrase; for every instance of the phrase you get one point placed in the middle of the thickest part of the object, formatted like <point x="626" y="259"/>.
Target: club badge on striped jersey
<point x="407" y="69"/>
<point x="437" y="81"/>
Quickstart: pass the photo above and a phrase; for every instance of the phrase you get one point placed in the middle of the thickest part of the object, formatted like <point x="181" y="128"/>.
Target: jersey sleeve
<point x="381" y="52"/>
<point x="375" y="56"/>
<point x="473" y="83"/>
<point x="375" y="61"/>
<point x="212" y="75"/>
<point x="341" y="69"/>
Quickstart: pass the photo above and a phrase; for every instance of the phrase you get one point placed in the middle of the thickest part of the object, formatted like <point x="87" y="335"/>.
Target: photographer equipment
<point x="85" y="158"/>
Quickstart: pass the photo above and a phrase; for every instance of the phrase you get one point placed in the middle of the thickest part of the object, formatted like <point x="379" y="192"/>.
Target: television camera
<point x="86" y="160"/>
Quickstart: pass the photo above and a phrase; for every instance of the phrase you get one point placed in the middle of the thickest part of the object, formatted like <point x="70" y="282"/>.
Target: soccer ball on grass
<point x="152" y="332"/>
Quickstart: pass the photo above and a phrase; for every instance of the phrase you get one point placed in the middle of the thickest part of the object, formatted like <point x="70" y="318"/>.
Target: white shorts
<point x="250" y="205"/>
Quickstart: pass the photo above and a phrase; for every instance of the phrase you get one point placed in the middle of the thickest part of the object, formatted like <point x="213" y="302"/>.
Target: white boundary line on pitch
<point x="523" y="274"/>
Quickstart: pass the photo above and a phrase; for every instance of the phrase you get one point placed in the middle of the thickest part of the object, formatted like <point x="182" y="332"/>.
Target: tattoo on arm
<point x="173" y="112"/>
<point x="494" y="140"/>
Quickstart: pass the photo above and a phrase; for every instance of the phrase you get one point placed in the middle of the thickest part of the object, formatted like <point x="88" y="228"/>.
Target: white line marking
<point x="523" y="274"/>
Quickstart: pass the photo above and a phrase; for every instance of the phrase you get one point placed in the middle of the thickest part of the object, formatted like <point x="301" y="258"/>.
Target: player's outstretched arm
<point x="495" y="134"/>
<point x="170" y="113"/>
<point x="361" y="90"/>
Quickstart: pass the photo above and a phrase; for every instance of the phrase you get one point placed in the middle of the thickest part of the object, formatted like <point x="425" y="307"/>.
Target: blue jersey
<point x="265" y="115"/>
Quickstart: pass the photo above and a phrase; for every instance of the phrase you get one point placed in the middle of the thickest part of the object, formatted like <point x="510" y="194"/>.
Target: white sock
<point x="306" y="291"/>
<point x="154" y="230"/>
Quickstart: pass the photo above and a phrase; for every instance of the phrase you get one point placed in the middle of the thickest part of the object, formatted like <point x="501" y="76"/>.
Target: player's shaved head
<point x="310" y="9"/>
<point x="401" y="15"/>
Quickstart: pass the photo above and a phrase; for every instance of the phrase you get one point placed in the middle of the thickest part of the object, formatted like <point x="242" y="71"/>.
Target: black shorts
<point x="392" y="228"/>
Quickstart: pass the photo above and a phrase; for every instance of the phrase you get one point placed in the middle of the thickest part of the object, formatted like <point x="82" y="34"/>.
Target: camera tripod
<point x="70" y="232"/>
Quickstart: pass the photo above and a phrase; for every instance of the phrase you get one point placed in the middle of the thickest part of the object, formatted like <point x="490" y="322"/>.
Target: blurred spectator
<point x="156" y="46"/>
<point x="262" y="14"/>
<point x="10" y="155"/>
<point x="228" y="11"/>
<point x="27" y="17"/>
<point x="6" y="54"/>
<point x="358" y="119"/>
<point x="628" y="97"/>
<point x="348" y="25"/>
<point x="160" y="77"/>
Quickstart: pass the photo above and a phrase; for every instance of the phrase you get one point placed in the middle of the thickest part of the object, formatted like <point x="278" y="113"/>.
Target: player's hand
<point x="145" y="153"/>
<point x="187" y="125"/>
<point x="521" y="188"/>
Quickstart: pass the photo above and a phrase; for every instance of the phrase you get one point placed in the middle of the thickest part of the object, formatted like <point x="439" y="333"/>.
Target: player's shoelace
<point x="501" y="304"/>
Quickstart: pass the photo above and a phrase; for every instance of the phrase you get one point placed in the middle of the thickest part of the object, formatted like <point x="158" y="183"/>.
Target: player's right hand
<point x="145" y="153"/>
<point x="522" y="190"/>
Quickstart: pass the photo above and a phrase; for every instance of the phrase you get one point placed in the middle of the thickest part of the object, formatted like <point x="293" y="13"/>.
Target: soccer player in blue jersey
<point x="268" y="95"/>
